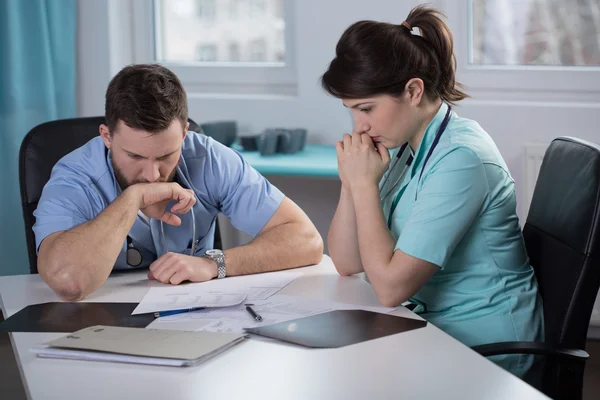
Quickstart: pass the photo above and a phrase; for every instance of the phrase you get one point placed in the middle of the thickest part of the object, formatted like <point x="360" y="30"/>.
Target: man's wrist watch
<point x="219" y="258"/>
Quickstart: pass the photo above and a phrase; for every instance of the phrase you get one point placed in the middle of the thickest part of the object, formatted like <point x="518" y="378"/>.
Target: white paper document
<point x="159" y="299"/>
<point x="216" y="293"/>
<point x="278" y="308"/>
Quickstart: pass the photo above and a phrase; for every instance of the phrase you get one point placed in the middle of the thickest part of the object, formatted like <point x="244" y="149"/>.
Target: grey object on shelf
<point x="248" y="143"/>
<point x="266" y="142"/>
<point x="224" y="132"/>
<point x="275" y="140"/>
<point x="291" y="140"/>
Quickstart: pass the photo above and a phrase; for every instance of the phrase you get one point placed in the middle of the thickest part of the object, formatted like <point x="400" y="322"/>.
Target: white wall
<point x="513" y="119"/>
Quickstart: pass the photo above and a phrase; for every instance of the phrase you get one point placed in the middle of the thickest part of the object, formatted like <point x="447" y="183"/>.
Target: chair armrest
<point x="538" y="348"/>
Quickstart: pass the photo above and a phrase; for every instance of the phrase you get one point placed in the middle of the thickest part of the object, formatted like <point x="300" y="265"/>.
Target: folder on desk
<point x="338" y="328"/>
<point x="70" y="317"/>
<point x="139" y="346"/>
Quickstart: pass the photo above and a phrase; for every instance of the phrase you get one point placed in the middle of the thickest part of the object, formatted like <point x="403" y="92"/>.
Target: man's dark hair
<point x="147" y="97"/>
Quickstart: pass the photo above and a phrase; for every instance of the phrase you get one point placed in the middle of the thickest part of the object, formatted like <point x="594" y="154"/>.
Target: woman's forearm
<point x="342" y="238"/>
<point x="375" y="241"/>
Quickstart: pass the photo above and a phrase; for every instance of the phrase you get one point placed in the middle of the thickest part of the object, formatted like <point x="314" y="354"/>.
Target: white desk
<point x="421" y="364"/>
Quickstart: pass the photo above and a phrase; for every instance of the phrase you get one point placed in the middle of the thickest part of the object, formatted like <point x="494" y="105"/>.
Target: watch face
<point x="213" y="253"/>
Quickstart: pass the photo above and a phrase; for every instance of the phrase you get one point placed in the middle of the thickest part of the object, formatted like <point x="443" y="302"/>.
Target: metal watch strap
<point x="222" y="271"/>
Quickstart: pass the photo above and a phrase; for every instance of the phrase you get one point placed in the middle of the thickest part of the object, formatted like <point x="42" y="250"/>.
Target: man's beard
<point x="124" y="184"/>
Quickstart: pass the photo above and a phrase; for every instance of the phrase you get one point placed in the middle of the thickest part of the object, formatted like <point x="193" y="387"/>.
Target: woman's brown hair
<point x="374" y="58"/>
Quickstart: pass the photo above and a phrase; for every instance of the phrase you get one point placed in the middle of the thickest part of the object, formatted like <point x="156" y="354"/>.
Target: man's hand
<point x="175" y="268"/>
<point x="154" y="197"/>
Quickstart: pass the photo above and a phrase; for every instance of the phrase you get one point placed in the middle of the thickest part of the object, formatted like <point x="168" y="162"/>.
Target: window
<point x="279" y="9"/>
<point x="257" y="8"/>
<point x="234" y="52"/>
<point x="219" y="46"/>
<point x="234" y="9"/>
<point x="535" y="32"/>
<point x="207" y="52"/>
<point x="513" y="48"/>
<point x="258" y="50"/>
<point x="258" y="32"/>
<point x="280" y="51"/>
<point x="206" y="10"/>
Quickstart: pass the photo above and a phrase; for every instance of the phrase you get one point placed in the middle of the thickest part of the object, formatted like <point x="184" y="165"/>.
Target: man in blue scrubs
<point x="146" y="193"/>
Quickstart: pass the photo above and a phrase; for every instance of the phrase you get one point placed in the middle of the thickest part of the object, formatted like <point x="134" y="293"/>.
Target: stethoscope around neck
<point x="133" y="255"/>
<point x="410" y="159"/>
<point x="407" y="165"/>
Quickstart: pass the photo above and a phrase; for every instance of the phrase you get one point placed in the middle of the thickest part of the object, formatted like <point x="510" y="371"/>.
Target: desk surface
<point x="316" y="160"/>
<point x="421" y="364"/>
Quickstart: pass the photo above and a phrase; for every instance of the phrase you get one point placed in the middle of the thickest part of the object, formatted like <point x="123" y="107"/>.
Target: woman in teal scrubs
<point x="427" y="207"/>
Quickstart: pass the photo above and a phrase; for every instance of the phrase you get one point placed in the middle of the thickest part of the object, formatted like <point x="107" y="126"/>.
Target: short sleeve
<point x="65" y="203"/>
<point x="243" y="195"/>
<point x="452" y="195"/>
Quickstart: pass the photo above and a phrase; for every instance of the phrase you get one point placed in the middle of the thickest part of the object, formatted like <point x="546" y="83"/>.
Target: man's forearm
<point x="284" y="246"/>
<point x="342" y="239"/>
<point x="79" y="260"/>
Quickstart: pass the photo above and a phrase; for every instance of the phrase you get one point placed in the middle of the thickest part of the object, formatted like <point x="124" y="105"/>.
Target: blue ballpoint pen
<point x="174" y="312"/>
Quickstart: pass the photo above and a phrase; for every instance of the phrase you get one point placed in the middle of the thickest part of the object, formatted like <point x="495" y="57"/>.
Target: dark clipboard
<point x="71" y="317"/>
<point x="338" y="328"/>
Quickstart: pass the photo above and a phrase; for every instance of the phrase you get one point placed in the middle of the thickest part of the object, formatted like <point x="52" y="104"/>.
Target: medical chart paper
<point x="217" y="293"/>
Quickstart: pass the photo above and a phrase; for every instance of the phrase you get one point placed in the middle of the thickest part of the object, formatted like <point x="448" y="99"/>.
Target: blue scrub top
<point x="461" y="216"/>
<point x="83" y="184"/>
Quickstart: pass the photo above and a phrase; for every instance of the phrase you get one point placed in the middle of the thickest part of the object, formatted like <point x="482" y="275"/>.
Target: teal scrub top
<point x="461" y="216"/>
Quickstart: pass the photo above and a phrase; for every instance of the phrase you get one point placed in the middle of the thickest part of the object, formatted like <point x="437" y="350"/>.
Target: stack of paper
<point x="278" y="308"/>
<point x="217" y="293"/>
<point x="169" y="299"/>
<point x="139" y="346"/>
<point x="260" y="291"/>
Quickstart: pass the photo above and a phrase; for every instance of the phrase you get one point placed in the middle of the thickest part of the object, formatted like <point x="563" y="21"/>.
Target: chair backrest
<point x="562" y="236"/>
<point x="44" y="146"/>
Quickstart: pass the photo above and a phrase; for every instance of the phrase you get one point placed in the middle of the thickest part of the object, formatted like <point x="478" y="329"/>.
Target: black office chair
<point x="562" y="236"/>
<point x="41" y="148"/>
